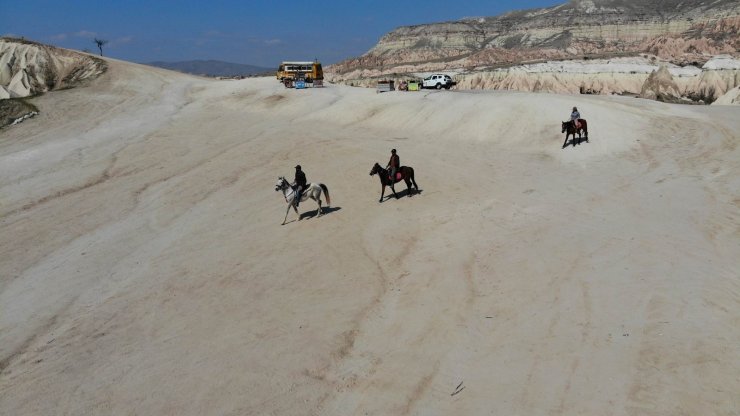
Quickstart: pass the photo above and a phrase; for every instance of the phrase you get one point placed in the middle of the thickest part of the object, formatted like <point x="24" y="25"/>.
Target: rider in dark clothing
<point x="299" y="184"/>
<point x="394" y="164"/>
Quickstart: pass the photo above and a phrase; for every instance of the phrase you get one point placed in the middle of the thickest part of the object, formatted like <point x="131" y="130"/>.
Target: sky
<point x="252" y="32"/>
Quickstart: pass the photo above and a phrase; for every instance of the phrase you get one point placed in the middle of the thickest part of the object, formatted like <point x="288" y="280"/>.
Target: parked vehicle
<point x="438" y="81"/>
<point x="310" y="71"/>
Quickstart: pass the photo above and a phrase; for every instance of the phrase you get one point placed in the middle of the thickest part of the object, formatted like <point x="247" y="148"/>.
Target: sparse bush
<point x="705" y="96"/>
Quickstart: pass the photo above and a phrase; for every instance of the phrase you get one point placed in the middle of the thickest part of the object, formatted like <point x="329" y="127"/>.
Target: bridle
<point x="284" y="185"/>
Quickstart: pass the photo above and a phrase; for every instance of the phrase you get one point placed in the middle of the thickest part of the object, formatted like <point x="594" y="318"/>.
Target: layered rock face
<point x="732" y="97"/>
<point x="661" y="86"/>
<point x="621" y="76"/>
<point x="29" y="68"/>
<point x="682" y="32"/>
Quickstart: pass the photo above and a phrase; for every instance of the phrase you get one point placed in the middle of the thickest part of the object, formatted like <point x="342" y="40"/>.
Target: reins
<point x="383" y="173"/>
<point x="286" y="186"/>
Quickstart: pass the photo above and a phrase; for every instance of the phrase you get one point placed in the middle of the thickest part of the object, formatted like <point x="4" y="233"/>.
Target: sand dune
<point x="143" y="268"/>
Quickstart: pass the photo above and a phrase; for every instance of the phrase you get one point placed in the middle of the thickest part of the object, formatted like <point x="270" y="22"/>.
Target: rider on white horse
<point x="299" y="184"/>
<point x="301" y="190"/>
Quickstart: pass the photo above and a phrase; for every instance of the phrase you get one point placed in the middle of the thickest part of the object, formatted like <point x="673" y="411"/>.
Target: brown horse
<point x="569" y="127"/>
<point x="405" y="173"/>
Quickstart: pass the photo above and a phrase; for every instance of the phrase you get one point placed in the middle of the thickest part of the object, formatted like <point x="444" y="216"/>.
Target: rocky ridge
<point x="672" y="32"/>
<point x="620" y="76"/>
<point x="29" y="68"/>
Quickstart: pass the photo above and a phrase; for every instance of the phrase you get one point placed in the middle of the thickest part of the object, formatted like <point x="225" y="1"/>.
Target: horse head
<point x="565" y="126"/>
<point x="281" y="184"/>
<point x="376" y="169"/>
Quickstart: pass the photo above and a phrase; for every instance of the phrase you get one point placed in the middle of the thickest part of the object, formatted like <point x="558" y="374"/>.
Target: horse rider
<point x="393" y="165"/>
<point x="299" y="184"/>
<point x="574" y="117"/>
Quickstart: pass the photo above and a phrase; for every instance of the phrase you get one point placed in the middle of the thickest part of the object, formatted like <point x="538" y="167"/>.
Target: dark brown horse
<point x="569" y="127"/>
<point x="406" y="174"/>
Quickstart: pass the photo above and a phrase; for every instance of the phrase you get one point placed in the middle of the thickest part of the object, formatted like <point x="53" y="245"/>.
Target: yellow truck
<point x="309" y="71"/>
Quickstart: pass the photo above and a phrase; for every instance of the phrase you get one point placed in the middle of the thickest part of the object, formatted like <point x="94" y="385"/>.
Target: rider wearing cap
<point x="394" y="164"/>
<point x="299" y="184"/>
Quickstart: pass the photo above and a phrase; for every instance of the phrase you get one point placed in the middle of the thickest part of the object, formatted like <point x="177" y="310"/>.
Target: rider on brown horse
<point x="393" y="164"/>
<point x="574" y="126"/>
<point x="575" y="117"/>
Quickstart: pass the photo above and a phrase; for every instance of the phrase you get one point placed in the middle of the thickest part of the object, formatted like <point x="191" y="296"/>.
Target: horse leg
<point x="318" y="201"/>
<point x="393" y="188"/>
<point x="408" y="186"/>
<point x="286" y="214"/>
<point x="295" y="208"/>
<point x="382" y="193"/>
<point x="566" y="140"/>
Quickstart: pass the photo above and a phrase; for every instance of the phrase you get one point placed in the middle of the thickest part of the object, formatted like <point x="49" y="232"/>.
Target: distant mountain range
<point x="213" y="68"/>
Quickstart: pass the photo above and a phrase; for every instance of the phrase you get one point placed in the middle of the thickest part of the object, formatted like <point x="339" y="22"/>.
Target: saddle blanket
<point x="398" y="176"/>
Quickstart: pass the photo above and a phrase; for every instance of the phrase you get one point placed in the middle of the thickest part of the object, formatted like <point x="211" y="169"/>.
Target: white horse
<point x="313" y="191"/>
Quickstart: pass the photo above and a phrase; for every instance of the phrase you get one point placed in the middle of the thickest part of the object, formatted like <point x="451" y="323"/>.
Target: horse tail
<point x="326" y="192"/>
<point x="411" y="174"/>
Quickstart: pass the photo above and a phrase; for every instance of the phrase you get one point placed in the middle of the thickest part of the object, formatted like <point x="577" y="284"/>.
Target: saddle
<point x="578" y="124"/>
<point x="398" y="177"/>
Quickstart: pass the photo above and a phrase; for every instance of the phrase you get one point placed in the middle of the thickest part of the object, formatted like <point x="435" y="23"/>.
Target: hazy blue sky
<point x="247" y="31"/>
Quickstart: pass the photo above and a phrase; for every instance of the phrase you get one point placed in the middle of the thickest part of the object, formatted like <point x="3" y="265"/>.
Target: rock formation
<point x="660" y="86"/>
<point x="674" y="32"/>
<point x="622" y="76"/>
<point x="732" y="97"/>
<point x="29" y="68"/>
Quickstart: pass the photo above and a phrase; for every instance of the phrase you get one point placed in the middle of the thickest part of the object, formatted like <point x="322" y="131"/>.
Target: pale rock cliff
<point x="29" y="68"/>
<point x="680" y="32"/>
<point x="622" y="76"/>
<point x="661" y="86"/>
<point x="732" y="97"/>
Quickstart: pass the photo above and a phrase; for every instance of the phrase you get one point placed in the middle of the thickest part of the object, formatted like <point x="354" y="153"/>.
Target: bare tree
<point x="100" y="43"/>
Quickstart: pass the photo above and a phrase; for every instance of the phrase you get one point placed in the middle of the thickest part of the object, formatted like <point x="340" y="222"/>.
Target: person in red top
<point x="394" y="164"/>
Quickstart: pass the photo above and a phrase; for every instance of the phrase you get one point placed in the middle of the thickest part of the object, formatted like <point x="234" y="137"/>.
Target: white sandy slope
<point x="143" y="268"/>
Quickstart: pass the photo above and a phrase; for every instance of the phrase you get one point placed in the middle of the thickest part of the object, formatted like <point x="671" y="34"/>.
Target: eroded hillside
<point x="674" y="32"/>
<point x="29" y="68"/>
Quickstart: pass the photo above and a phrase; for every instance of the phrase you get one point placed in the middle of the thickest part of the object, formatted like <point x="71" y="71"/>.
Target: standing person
<point x="299" y="184"/>
<point x="394" y="164"/>
<point x="574" y="117"/>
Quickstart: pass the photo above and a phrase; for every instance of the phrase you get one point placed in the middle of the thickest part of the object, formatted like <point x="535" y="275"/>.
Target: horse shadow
<point x="315" y="213"/>
<point x="575" y="141"/>
<point x="402" y="193"/>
